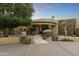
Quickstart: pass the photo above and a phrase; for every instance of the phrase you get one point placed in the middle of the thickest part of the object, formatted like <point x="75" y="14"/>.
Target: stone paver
<point x="12" y="50"/>
<point x="70" y="47"/>
<point x="45" y="50"/>
<point x="38" y="40"/>
<point x="50" y="49"/>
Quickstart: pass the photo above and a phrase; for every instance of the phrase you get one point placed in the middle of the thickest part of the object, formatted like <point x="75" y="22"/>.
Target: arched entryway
<point x="40" y="26"/>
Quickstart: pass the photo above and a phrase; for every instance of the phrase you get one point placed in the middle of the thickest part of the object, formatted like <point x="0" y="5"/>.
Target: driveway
<point x="47" y="49"/>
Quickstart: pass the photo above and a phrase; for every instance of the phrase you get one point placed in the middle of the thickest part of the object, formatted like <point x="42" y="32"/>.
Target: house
<point x="43" y="24"/>
<point x="56" y="25"/>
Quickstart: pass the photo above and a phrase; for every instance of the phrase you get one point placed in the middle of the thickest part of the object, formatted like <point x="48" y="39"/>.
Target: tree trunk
<point x="65" y="31"/>
<point x="10" y="31"/>
<point x="5" y="32"/>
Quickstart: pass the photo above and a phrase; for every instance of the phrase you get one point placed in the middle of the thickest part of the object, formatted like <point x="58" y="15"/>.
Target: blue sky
<point x="59" y="10"/>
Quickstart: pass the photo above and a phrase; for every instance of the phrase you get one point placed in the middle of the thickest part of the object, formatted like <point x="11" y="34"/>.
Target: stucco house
<point x="55" y="25"/>
<point x="43" y="24"/>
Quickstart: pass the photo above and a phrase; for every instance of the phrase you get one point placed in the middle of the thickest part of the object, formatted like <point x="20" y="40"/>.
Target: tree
<point x="65" y="25"/>
<point x="7" y="23"/>
<point x="32" y="29"/>
<point x="6" y="9"/>
<point x="24" y="13"/>
<point x="14" y="15"/>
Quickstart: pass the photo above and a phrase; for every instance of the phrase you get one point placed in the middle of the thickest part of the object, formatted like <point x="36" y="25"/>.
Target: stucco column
<point x="37" y="30"/>
<point x="56" y="28"/>
<point x="50" y="27"/>
<point x="40" y="29"/>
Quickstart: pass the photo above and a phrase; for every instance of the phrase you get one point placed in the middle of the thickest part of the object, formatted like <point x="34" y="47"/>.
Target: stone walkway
<point x="41" y="48"/>
<point x="50" y="49"/>
<point x="38" y="40"/>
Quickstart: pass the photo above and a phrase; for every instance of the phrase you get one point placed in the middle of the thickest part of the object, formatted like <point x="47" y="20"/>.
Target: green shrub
<point x="22" y="39"/>
<point x="48" y="34"/>
<point x="73" y="35"/>
<point x="77" y="31"/>
<point x="27" y="41"/>
<point x="66" y="39"/>
<point x="54" y="38"/>
<point x="44" y="37"/>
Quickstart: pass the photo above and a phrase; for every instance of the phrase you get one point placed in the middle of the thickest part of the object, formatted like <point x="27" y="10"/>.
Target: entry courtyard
<point x="41" y="47"/>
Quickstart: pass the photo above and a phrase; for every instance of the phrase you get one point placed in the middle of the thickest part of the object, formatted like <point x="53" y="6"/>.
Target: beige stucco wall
<point x="55" y="29"/>
<point x="77" y="23"/>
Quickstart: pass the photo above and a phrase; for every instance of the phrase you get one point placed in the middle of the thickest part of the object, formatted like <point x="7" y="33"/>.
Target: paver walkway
<point x="50" y="49"/>
<point x="38" y="40"/>
<point x="41" y="48"/>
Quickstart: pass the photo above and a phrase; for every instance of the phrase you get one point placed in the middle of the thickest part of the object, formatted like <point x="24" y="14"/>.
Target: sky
<point x="59" y="10"/>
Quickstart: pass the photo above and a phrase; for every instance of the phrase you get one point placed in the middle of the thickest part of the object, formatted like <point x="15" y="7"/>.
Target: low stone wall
<point x="9" y="40"/>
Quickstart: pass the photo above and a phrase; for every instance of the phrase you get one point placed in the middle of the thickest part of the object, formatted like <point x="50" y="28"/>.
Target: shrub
<point x="22" y="38"/>
<point x="77" y="31"/>
<point x="27" y="41"/>
<point x="73" y="35"/>
<point x="66" y="39"/>
<point x="46" y="34"/>
<point x="44" y="37"/>
<point x="54" y="38"/>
